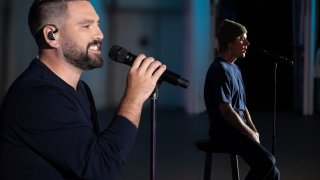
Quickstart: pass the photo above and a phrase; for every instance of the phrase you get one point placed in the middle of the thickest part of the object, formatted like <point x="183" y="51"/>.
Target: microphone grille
<point x="113" y="53"/>
<point x="118" y="54"/>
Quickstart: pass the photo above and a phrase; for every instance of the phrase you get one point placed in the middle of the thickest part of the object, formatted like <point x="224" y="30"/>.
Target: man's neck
<point x="66" y="71"/>
<point x="228" y="57"/>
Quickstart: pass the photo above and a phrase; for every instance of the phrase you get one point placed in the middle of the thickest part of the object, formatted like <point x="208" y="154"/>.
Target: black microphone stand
<point x="276" y="59"/>
<point x="274" y="109"/>
<point x="153" y="98"/>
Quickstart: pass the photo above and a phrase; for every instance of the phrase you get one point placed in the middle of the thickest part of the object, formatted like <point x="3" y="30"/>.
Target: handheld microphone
<point x="275" y="58"/>
<point x="121" y="55"/>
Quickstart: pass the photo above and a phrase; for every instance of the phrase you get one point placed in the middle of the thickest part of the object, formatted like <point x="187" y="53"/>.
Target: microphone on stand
<point x="275" y="58"/>
<point x="121" y="55"/>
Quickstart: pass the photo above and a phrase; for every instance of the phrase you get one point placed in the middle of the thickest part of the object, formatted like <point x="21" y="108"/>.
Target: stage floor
<point x="297" y="146"/>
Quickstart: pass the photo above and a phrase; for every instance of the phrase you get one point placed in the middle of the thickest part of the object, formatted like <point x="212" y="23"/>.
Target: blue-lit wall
<point x="198" y="50"/>
<point x="174" y="32"/>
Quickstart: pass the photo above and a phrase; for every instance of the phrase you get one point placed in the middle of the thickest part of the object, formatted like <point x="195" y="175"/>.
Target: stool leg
<point x="207" y="167"/>
<point x="235" y="167"/>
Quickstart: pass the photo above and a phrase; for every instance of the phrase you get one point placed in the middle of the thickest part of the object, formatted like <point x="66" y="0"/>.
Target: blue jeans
<point x="260" y="160"/>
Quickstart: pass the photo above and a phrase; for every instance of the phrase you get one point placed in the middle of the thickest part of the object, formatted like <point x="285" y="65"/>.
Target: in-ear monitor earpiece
<point x="51" y="35"/>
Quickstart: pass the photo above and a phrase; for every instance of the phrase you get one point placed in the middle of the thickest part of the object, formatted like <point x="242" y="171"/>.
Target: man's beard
<point x="80" y="58"/>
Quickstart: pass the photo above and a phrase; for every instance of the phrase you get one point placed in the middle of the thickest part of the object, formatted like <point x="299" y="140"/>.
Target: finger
<point x="156" y="75"/>
<point x="153" y="66"/>
<point x="137" y="62"/>
<point x="145" y="64"/>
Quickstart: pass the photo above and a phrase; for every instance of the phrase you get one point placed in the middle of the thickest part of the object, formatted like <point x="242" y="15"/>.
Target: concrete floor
<point x="297" y="147"/>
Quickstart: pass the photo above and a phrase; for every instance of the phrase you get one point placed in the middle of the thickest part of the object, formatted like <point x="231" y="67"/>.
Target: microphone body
<point x="275" y="58"/>
<point x="121" y="55"/>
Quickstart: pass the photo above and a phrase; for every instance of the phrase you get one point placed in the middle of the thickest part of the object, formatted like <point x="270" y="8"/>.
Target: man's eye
<point x="86" y="26"/>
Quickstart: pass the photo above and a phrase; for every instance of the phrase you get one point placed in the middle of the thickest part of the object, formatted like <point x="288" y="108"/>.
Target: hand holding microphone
<point x="143" y="76"/>
<point x="121" y="55"/>
<point x="141" y="81"/>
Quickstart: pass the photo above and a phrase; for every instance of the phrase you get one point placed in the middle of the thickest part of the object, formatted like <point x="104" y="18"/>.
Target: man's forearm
<point x="130" y="109"/>
<point x="235" y="120"/>
<point x="249" y="120"/>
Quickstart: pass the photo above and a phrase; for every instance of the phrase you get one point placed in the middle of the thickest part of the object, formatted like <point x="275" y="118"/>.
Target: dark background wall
<point x="269" y="26"/>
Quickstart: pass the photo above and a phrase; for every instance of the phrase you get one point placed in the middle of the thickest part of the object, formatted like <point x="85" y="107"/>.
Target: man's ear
<point x="50" y="36"/>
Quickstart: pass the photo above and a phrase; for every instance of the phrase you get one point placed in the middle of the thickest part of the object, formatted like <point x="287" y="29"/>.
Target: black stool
<point x="209" y="148"/>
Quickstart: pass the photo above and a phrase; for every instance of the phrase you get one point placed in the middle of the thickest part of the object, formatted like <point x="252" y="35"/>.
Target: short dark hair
<point x="44" y="12"/>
